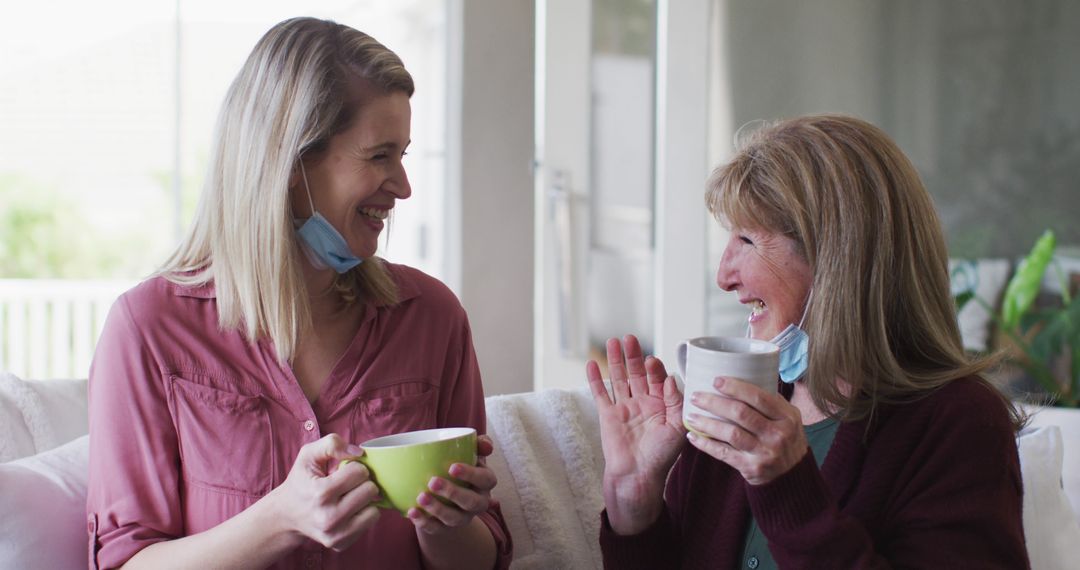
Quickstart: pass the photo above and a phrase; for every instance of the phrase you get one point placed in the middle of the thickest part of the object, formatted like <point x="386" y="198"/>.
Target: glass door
<point x="621" y="128"/>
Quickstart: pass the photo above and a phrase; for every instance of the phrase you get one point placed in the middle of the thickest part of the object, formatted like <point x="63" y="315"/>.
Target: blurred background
<point x="559" y="148"/>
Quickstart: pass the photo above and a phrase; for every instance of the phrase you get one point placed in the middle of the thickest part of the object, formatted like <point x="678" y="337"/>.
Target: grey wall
<point x="982" y="95"/>
<point x="494" y="277"/>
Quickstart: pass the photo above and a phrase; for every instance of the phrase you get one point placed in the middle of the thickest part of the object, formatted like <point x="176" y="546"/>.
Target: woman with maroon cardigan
<point x="883" y="447"/>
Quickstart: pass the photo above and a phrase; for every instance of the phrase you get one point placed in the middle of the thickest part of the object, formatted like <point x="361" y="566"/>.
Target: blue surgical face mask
<point x="794" y="346"/>
<point x="323" y="244"/>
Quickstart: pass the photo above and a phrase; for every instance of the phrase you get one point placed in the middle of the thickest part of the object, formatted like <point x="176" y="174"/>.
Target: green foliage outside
<point x="46" y="233"/>
<point x="42" y="236"/>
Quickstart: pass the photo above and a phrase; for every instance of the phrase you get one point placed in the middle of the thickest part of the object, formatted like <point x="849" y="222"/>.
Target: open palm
<point x="641" y="420"/>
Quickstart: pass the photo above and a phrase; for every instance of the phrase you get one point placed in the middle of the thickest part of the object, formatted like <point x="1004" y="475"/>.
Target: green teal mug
<point x="401" y="465"/>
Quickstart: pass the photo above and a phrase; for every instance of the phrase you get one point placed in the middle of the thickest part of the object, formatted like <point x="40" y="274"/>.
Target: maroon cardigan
<point x="934" y="484"/>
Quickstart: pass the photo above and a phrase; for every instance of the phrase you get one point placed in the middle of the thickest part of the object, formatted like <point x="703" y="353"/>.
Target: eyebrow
<point x="383" y="146"/>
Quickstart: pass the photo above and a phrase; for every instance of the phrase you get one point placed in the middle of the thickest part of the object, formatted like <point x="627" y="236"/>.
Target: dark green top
<point x="756" y="555"/>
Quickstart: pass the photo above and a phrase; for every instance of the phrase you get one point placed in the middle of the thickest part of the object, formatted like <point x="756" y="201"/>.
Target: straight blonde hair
<point x="882" y="317"/>
<point x="289" y="98"/>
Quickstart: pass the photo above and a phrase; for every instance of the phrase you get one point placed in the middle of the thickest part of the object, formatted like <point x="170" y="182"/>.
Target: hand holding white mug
<point x="758" y="433"/>
<point x="701" y="360"/>
<point x="641" y="433"/>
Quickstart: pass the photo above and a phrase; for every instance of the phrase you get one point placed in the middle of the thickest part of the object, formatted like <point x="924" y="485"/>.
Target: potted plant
<point x="1044" y="341"/>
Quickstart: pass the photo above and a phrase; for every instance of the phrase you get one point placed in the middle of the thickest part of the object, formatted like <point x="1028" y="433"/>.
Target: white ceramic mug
<point x="702" y="359"/>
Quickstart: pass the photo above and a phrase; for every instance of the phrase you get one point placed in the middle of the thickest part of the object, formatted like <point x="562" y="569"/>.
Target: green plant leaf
<point x="962" y="299"/>
<point x="1025" y="283"/>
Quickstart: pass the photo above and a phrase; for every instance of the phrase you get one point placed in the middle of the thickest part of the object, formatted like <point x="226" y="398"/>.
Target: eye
<point x="404" y="153"/>
<point x="380" y="157"/>
<point x="746" y="240"/>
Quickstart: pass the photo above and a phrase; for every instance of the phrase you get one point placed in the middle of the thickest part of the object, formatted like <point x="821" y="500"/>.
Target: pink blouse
<point x="190" y="425"/>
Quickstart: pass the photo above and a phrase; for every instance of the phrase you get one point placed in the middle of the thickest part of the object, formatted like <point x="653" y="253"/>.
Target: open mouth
<point x="374" y="213"/>
<point x="757" y="307"/>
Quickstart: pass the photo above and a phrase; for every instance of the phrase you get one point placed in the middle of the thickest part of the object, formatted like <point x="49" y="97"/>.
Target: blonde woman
<point x="883" y="447"/>
<point x="226" y="390"/>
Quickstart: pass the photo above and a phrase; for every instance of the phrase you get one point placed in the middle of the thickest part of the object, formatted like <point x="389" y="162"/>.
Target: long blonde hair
<point x="881" y="317"/>
<point x="289" y="98"/>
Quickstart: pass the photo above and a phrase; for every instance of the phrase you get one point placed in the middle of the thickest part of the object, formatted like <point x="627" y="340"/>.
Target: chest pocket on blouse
<point x="224" y="438"/>
<point x="404" y="406"/>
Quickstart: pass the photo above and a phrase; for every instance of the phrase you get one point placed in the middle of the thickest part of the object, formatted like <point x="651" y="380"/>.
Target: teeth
<point x="757" y="306"/>
<point x="375" y="213"/>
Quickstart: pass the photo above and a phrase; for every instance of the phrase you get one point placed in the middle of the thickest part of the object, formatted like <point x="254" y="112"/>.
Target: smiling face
<point x="355" y="181"/>
<point x="769" y="275"/>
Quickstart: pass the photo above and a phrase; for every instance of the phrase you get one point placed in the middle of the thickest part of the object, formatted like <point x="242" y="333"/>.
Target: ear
<point x="295" y="178"/>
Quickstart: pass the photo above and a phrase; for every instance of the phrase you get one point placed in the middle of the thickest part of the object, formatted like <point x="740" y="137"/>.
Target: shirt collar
<point x="407" y="287"/>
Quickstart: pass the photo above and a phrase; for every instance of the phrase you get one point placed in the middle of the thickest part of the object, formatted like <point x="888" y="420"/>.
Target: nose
<point x="398" y="185"/>
<point x="727" y="275"/>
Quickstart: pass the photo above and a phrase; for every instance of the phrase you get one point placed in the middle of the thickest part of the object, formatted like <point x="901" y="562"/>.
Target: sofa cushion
<point x="43" y="501"/>
<point x="37" y="415"/>
<point x="1051" y="530"/>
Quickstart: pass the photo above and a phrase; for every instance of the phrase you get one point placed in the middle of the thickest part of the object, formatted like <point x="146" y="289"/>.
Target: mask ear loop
<point x="806" y="309"/>
<point x="303" y="173"/>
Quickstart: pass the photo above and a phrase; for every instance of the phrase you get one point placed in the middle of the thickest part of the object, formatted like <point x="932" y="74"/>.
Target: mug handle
<point x="680" y="358"/>
<point x="383" y="502"/>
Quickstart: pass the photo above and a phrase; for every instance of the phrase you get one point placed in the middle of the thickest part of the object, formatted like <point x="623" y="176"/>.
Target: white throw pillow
<point x="1051" y="530"/>
<point x="38" y="415"/>
<point x="16" y="439"/>
<point x="43" y="509"/>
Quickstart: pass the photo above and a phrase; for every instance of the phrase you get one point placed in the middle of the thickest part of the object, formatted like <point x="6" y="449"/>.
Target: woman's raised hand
<point x="332" y="506"/>
<point x="641" y="432"/>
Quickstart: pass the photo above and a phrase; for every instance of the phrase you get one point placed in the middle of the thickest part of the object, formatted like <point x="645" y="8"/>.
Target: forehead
<point x="380" y="118"/>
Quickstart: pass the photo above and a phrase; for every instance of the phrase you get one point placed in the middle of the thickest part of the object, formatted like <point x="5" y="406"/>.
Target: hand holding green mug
<point x="401" y="465"/>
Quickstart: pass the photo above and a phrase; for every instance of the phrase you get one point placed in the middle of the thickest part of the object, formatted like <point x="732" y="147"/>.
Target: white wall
<point x="490" y="170"/>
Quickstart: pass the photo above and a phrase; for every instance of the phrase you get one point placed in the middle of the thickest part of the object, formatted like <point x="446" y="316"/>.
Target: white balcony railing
<point x="49" y="327"/>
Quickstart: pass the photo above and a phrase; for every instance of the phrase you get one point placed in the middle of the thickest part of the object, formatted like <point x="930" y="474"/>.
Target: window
<point x="106" y="118"/>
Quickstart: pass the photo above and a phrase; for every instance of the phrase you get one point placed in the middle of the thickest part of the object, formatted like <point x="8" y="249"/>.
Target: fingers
<point x="480" y="477"/>
<point x="359" y="496"/>
<point x="351" y="528"/>
<point x="617" y="369"/>
<point x="320" y="456"/>
<point x="656" y="375"/>
<point x="446" y="504"/>
<point x="673" y="403"/>
<point x="731" y="410"/>
<point x="655" y="369"/>
<point x="484" y="445"/>
<point x="723" y="431"/>
<point x="769" y="404"/>
<point x="635" y="365"/>
<point x="596" y="385"/>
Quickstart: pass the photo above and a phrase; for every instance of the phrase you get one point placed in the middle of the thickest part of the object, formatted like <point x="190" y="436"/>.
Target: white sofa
<point x="548" y="460"/>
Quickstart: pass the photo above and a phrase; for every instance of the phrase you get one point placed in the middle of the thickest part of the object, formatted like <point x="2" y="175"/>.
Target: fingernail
<point x="692" y="419"/>
<point x="436" y="484"/>
<point x="424" y="499"/>
<point x="354" y="449"/>
<point x="691" y="436"/>
<point x="695" y="398"/>
<point x="456" y="470"/>
<point x="719" y="382"/>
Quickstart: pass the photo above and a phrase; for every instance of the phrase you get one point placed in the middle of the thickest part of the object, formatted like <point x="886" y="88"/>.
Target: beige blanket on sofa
<point x="549" y="463"/>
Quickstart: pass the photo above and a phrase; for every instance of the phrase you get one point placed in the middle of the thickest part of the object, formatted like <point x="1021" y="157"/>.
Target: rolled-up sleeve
<point x="462" y="404"/>
<point x="132" y="499"/>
